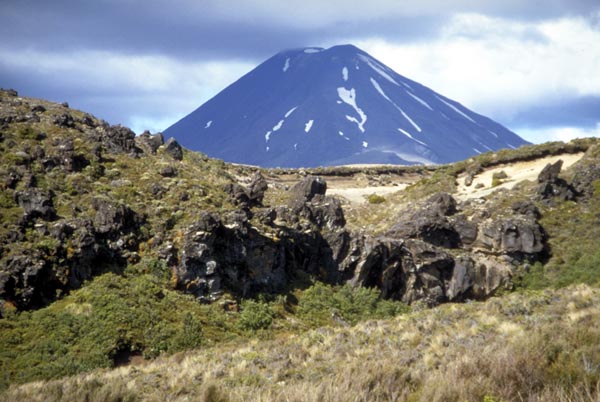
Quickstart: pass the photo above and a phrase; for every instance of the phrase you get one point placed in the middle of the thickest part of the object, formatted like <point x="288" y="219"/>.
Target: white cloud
<point x="539" y="135"/>
<point x="154" y="90"/>
<point x="497" y="66"/>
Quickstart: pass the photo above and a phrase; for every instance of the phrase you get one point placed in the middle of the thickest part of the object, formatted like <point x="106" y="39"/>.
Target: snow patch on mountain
<point x="348" y="96"/>
<point x="378" y="88"/>
<point x="278" y="125"/>
<point x="289" y="112"/>
<point x="286" y="66"/>
<point x="406" y="133"/>
<point x="310" y="50"/>
<point x="341" y="134"/>
<point x="379" y="69"/>
<point x="457" y="110"/>
<point x="407" y="117"/>
<point x="413" y="158"/>
<point x="308" y="125"/>
<point x="421" y="101"/>
<point x="208" y="124"/>
<point x="345" y="73"/>
<point x="411" y="121"/>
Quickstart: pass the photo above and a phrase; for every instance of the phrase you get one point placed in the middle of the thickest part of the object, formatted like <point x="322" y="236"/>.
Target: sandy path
<point x="516" y="172"/>
<point x="358" y="194"/>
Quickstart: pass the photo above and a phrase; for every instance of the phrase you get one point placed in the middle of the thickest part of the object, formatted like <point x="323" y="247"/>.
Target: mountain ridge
<point x="312" y="107"/>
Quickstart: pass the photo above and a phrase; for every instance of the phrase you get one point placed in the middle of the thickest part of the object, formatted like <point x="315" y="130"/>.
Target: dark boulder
<point x="586" y="179"/>
<point x="24" y="279"/>
<point x="324" y="212"/>
<point x="12" y="178"/>
<point x="64" y="120"/>
<point x="173" y="148"/>
<point x="550" y="172"/>
<point x="477" y="277"/>
<point x="518" y="235"/>
<point x="67" y="158"/>
<point x="442" y="203"/>
<point x="430" y="223"/>
<point x="238" y="193"/>
<point x="526" y="208"/>
<point x="168" y="171"/>
<point x="36" y="203"/>
<point x="551" y="187"/>
<point x="149" y="143"/>
<point x="467" y="230"/>
<point x="117" y="139"/>
<point x="256" y="189"/>
<point x="88" y="120"/>
<point x="404" y="270"/>
<point x="217" y="256"/>
<point x="306" y="189"/>
<point x="428" y="269"/>
<point x="10" y="92"/>
<point x="113" y="219"/>
<point x="380" y="264"/>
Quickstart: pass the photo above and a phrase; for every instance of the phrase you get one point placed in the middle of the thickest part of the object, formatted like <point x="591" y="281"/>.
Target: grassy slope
<point x="524" y="346"/>
<point x="400" y="359"/>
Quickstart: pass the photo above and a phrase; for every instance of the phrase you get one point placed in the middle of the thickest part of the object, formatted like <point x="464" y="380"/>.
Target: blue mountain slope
<point x="315" y="107"/>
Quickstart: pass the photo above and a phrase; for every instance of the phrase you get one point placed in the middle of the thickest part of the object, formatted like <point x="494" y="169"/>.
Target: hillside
<point x="540" y="346"/>
<point x="119" y="251"/>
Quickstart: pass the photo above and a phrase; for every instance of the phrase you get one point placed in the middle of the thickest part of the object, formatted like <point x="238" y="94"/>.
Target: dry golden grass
<point x="542" y="346"/>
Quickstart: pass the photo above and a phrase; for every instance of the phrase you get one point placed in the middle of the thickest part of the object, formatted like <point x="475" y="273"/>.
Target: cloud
<point x="128" y="89"/>
<point x="574" y="110"/>
<point x="148" y="63"/>
<point x="501" y="67"/>
<point x="248" y="29"/>
<point x="538" y="135"/>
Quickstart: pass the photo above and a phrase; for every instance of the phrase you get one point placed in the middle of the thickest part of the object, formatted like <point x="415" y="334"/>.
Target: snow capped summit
<point x="316" y="107"/>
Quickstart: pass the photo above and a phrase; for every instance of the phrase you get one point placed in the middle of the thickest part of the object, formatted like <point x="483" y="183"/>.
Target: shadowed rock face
<point x="412" y="262"/>
<point x="434" y="252"/>
<point x="308" y="188"/>
<point x="551" y="187"/>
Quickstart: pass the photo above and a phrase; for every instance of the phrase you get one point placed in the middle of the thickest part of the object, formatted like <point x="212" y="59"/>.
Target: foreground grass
<point x="115" y="318"/>
<point x="535" y="346"/>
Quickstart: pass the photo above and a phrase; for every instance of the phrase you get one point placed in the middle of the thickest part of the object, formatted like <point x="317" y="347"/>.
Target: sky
<point x="531" y="65"/>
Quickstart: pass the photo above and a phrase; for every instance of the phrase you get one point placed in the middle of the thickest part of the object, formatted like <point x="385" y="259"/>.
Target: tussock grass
<point x="533" y="346"/>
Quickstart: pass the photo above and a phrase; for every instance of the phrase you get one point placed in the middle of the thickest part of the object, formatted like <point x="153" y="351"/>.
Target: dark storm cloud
<point x="63" y="26"/>
<point x="582" y="112"/>
<point x="250" y="29"/>
<point x="93" y="53"/>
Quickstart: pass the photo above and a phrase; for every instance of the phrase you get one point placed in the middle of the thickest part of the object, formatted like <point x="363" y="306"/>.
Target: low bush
<point x="322" y="304"/>
<point x="375" y="199"/>
<point x="110" y="317"/>
<point x="255" y="315"/>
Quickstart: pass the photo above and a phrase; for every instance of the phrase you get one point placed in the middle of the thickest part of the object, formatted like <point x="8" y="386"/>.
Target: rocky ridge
<point x="81" y="197"/>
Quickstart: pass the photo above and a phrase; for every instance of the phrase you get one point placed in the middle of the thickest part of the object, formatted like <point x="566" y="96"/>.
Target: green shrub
<point x="319" y="303"/>
<point x="27" y="132"/>
<point x="375" y="199"/>
<point x="255" y="315"/>
<point x="88" y="329"/>
<point x="498" y="178"/>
